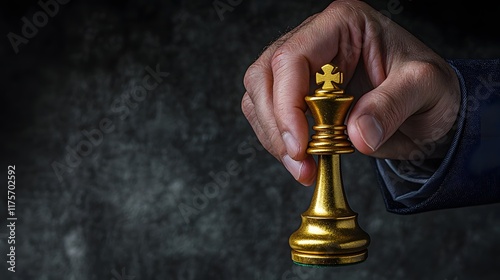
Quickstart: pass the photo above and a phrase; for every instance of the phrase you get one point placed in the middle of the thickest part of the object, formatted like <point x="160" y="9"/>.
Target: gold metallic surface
<point x="329" y="233"/>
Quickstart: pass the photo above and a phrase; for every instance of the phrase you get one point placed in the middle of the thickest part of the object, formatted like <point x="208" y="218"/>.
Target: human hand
<point x="406" y="95"/>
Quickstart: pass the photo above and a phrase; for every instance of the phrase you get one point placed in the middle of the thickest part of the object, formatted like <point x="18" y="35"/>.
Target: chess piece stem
<point x="327" y="196"/>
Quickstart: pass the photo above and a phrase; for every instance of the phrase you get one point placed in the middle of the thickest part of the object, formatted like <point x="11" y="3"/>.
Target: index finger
<point x="302" y="54"/>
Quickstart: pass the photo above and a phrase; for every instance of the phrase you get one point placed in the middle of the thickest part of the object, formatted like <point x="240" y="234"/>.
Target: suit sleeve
<point x="470" y="172"/>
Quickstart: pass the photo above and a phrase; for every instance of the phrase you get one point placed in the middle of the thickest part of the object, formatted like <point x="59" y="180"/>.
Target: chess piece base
<point x="328" y="260"/>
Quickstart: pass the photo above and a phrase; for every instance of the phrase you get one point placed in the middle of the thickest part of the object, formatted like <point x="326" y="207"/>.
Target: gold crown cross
<point x="331" y="79"/>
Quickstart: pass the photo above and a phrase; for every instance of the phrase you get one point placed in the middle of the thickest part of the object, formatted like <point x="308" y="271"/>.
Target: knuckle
<point x="246" y="105"/>
<point x="251" y="76"/>
<point x="346" y="7"/>
<point x="279" y="58"/>
<point x="422" y="70"/>
<point x="287" y="56"/>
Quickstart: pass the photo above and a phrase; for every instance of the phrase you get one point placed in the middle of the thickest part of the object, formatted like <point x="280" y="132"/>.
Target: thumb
<point x="375" y="120"/>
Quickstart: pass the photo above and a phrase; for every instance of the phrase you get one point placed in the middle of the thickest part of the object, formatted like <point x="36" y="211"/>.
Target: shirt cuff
<point x="406" y="180"/>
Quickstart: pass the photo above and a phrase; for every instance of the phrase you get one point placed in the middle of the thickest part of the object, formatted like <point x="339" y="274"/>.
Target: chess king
<point x="329" y="233"/>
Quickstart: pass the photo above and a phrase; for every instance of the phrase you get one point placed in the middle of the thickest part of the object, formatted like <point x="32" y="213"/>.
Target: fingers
<point x="376" y="121"/>
<point x="290" y="86"/>
<point x="403" y="77"/>
<point x="293" y="63"/>
<point x="257" y="105"/>
<point x="279" y="80"/>
<point x="303" y="171"/>
<point x="248" y="109"/>
<point x="306" y="169"/>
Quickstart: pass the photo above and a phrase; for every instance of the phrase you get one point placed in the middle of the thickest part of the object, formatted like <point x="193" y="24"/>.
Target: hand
<point x="405" y="94"/>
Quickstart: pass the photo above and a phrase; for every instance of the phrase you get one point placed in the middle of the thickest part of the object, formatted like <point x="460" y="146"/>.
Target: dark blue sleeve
<point x="470" y="172"/>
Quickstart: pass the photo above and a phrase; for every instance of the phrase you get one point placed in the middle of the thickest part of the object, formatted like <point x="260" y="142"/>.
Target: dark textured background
<point x="117" y="214"/>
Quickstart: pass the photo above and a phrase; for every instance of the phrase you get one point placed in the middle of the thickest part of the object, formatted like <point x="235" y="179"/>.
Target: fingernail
<point x="371" y="131"/>
<point x="291" y="144"/>
<point x="294" y="167"/>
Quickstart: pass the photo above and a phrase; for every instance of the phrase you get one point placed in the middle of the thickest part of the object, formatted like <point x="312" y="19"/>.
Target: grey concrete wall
<point x="130" y="207"/>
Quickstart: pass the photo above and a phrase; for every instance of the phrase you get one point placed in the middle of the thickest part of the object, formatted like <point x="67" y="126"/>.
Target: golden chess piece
<point x="329" y="233"/>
